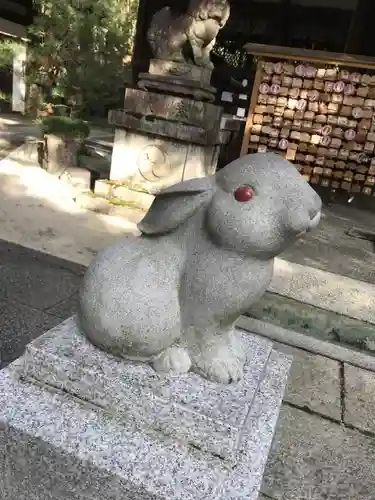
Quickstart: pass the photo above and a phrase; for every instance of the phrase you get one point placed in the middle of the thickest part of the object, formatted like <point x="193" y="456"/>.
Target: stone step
<point x="128" y="211"/>
<point x="117" y="192"/>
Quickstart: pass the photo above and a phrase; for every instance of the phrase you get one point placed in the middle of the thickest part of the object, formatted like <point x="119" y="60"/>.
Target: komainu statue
<point x="174" y="38"/>
<point x="171" y="296"/>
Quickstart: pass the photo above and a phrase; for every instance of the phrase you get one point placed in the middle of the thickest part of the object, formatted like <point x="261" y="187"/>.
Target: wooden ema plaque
<point x="320" y="117"/>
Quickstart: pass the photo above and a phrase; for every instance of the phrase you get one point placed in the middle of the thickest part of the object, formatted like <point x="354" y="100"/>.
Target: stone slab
<point x="168" y="107"/>
<point x="314" y="382"/>
<point x="314" y="459"/>
<point x="54" y="446"/>
<point x="180" y="69"/>
<point x="164" y="128"/>
<point x="209" y="415"/>
<point x="359" y="398"/>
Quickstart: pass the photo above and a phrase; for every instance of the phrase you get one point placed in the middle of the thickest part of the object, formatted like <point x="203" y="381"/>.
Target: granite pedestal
<point x="168" y="130"/>
<point x="79" y="424"/>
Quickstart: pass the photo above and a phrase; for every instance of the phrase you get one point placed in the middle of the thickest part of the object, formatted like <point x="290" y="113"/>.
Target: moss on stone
<point x="313" y="321"/>
<point x="121" y="203"/>
<point x="129" y="185"/>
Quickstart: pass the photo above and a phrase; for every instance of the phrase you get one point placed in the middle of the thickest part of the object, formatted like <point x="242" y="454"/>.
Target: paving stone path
<point x="37" y="292"/>
<point x="324" y="448"/>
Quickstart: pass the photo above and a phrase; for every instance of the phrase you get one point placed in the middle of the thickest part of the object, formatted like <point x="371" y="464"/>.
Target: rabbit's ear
<point x="175" y="204"/>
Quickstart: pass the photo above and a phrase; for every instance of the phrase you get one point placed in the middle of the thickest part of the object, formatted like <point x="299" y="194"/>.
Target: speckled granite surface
<point x="208" y="415"/>
<point x="54" y="445"/>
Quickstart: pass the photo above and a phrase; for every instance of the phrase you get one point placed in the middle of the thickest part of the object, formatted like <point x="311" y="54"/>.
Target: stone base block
<point x="164" y="138"/>
<point x="178" y="78"/>
<point x="152" y="162"/>
<point x="176" y="86"/>
<point x="180" y="70"/>
<point x="77" y="424"/>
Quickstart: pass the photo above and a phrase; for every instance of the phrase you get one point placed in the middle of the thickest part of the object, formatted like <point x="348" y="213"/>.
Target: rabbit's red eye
<point x="244" y="194"/>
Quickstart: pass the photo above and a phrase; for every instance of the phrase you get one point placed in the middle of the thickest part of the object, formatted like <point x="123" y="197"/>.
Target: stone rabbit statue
<point x="171" y="297"/>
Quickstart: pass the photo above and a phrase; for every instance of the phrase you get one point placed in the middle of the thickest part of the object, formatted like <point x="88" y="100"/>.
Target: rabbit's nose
<point x="315" y="212"/>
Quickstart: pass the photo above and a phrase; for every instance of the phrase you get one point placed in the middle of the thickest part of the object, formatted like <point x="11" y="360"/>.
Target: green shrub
<point x="5" y="97"/>
<point x="64" y="126"/>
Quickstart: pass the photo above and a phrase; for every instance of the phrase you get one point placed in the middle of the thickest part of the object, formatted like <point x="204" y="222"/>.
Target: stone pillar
<point x="19" y="83"/>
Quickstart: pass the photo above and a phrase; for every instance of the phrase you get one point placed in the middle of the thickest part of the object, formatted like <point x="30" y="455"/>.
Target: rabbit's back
<point x="129" y="297"/>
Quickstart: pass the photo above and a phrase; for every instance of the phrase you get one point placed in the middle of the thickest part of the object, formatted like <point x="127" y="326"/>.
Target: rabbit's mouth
<point x="314" y="221"/>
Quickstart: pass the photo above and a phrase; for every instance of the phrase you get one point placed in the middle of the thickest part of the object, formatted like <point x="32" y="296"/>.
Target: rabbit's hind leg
<point x="219" y="356"/>
<point x="173" y="360"/>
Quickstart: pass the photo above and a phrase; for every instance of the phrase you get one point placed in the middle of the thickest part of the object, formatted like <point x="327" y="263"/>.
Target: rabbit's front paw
<point x="172" y="360"/>
<point x="225" y="370"/>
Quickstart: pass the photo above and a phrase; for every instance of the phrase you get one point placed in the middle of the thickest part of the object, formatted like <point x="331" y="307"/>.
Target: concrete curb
<point x="310" y="344"/>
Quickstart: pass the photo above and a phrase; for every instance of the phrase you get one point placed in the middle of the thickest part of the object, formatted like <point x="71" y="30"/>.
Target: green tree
<point x="80" y="50"/>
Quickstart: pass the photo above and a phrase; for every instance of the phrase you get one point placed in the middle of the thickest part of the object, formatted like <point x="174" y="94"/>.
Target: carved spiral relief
<point x="153" y="163"/>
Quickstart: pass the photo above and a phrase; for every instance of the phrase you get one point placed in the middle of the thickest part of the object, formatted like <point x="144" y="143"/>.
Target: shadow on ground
<point x="329" y="248"/>
<point x="38" y="290"/>
<point x="38" y="211"/>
